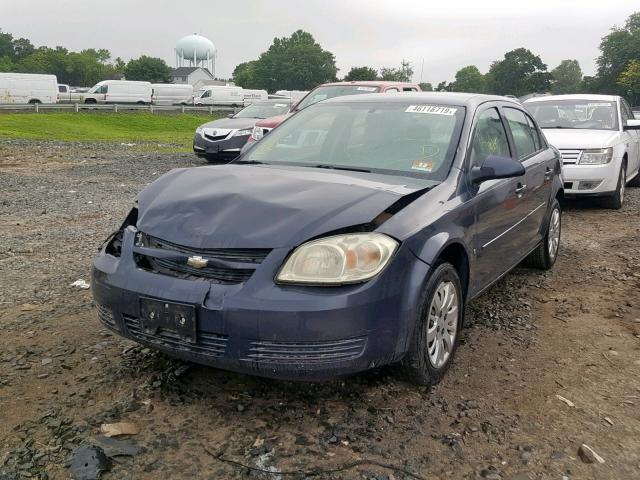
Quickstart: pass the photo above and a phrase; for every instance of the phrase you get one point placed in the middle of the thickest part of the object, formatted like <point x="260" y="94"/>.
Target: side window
<point x="409" y="89"/>
<point x="489" y="138"/>
<point x="62" y="88"/>
<point x="626" y="112"/>
<point x="102" y="89"/>
<point x="391" y="90"/>
<point x="537" y="138"/>
<point x="523" y="134"/>
<point x="206" y="94"/>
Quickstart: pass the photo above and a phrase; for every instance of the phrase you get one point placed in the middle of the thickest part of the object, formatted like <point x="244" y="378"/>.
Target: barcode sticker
<point x="431" y="109"/>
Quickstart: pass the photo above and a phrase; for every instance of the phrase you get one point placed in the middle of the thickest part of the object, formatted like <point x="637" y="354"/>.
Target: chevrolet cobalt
<point x="352" y="236"/>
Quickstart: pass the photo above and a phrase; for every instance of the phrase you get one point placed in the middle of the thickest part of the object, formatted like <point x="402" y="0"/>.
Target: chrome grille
<point x="207" y="344"/>
<point x="306" y="352"/>
<point x="570" y="156"/>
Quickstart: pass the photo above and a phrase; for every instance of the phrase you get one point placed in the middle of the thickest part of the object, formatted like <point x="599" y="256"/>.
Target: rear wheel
<point x="436" y="338"/>
<point x="617" y="199"/>
<point x="545" y="254"/>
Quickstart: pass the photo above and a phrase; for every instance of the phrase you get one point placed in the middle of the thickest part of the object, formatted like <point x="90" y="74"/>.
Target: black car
<point x="223" y="138"/>
<point x="352" y="236"/>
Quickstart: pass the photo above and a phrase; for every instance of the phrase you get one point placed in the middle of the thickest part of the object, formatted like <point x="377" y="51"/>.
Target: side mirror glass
<point x="495" y="167"/>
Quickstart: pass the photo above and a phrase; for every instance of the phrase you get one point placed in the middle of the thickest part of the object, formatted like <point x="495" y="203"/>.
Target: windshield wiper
<point x="336" y="167"/>
<point x="250" y="162"/>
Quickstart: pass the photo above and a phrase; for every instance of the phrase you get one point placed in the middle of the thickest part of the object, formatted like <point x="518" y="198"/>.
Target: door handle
<point x="521" y="189"/>
<point x="548" y="173"/>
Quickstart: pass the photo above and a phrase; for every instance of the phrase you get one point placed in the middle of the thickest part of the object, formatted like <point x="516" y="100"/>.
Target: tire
<point x="635" y="182"/>
<point x="616" y="200"/>
<point x="90" y="101"/>
<point x="545" y="254"/>
<point x="423" y="364"/>
<point x="33" y="101"/>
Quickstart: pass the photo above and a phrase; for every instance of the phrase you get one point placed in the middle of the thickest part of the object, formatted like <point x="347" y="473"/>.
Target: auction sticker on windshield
<point x="431" y="109"/>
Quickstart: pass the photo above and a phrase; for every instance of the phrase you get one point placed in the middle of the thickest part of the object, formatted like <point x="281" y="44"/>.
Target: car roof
<point x="577" y="96"/>
<point x="370" y="83"/>
<point x="471" y="100"/>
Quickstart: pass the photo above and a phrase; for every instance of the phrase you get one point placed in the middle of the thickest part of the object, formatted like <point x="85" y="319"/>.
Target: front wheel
<point x="436" y="338"/>
<point x="545" y="254"/>
<point x="616" y="200"/>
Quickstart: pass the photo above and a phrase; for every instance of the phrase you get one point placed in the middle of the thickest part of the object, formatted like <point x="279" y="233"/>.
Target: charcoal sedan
<point x="351" y="236"/>
<point x="223" y="138"/>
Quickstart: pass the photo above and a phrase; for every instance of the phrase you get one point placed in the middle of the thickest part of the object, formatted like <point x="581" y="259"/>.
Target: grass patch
<point x="137" y="127"/>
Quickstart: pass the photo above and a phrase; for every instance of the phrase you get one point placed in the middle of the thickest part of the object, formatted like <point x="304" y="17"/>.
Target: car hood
<point x="581" y="138"/>
<point x="231" y="123"/>
<point x="273" y="122"/>
<point x="245" y="206"/>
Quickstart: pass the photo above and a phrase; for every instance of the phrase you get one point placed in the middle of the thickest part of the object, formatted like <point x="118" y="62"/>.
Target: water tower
<point x="196" y="51"/>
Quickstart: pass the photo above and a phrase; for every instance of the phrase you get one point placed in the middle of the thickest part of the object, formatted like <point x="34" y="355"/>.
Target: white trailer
<point x="26" y="88"/>
<point x="119" y="91"/>
<point x="219" y="95"/>
<point x="171" y="94"/>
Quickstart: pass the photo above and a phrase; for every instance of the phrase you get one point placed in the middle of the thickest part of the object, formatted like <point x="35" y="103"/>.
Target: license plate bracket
<point x="179" y="318"/>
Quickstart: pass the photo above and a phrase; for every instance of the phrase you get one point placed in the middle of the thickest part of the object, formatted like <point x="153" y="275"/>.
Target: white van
<point x="294" y="95"/>
<point x="171" y="94"/>
<point x="251" y="96"/>
<point x="119" y="91"/>
<point x="219" y="95"/>
<point x="28" y="88"/>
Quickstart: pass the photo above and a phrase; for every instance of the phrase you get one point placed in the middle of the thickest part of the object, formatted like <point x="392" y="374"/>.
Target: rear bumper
<point x="261" y="328"/>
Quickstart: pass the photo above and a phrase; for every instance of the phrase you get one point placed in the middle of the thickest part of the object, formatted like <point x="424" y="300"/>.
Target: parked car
<point x="599" y="140"/>
<point x="171" y="94"/>
<point x="331" y="90"/>
<point x="67" y="95"/>
<point x="352" y="236"/>
<point x="219" y="95"/>
<point x="119" y="91"/>
<point x="24" y="88"/>
<point x="224" y="137"/>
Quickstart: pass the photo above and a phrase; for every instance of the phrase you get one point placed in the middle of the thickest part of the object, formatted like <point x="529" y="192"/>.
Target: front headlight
<point x="339" y="259"/>
<point x="596" y="156"/>
<point x="199" y="131"/>
<point x="246" y="131"/>
<point x="256" y="133"/>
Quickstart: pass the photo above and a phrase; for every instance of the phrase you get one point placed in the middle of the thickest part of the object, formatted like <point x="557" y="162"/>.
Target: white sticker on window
<point x="366" y="89"/>
<point x="600" y="104"/>
<point x="280" y="105"/>
<point x="432" y="109"/>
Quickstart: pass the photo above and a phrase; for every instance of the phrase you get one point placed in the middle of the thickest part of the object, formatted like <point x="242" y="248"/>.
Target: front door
<point x="498" y="204"/>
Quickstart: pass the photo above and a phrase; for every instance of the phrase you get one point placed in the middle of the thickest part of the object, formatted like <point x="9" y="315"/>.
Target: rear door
<point x="537" y="160"/>
<point x="498" y="205"/>
<point x="632" y="139"/>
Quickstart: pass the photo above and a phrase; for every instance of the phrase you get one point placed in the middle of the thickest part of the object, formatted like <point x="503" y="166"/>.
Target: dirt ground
<point x="572" y="332"/>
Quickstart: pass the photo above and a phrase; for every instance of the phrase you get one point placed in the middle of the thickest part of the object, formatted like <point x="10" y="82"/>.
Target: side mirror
<point x="632" y="125"/>
<point x="495" y="167"/>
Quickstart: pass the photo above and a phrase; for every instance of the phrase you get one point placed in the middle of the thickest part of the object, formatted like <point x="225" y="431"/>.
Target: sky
<point x="444" y="36"/>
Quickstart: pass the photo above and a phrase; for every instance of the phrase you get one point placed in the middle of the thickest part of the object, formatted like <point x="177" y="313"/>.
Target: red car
<point x="331" y="90"/>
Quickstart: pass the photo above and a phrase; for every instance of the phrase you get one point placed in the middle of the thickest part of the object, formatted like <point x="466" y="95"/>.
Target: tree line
<point x="299" y="62"/>
<point x="84" y="68"/>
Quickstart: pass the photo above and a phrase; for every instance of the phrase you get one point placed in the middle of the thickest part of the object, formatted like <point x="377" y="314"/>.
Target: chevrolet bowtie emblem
<point x="197" y="262"/>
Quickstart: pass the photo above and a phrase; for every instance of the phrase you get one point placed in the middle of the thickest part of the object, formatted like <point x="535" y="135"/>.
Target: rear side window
<point x="524" y="136"/>
<point x="537" y="138"/>
<point x="489" y="138"/>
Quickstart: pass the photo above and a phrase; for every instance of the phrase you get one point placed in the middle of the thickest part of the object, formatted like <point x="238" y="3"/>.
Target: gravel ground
<point x="573" y="332"/>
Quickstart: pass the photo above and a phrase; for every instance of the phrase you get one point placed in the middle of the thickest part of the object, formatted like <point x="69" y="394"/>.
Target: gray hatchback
<point x="223" y="138"/>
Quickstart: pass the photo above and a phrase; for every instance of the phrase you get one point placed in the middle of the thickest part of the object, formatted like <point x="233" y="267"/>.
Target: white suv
<point x="599" y="140"/>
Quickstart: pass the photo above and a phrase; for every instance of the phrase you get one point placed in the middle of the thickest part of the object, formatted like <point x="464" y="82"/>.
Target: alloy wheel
<point x="554" y="233"/>
<point x="443" y="323"/>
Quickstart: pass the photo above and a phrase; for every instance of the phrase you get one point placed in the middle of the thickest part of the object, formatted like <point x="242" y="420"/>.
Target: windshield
<point x="322" y="93"/>
<point x="263" y="110"/>
<point x="415" y="140"/>
<point x="582" y="114"/>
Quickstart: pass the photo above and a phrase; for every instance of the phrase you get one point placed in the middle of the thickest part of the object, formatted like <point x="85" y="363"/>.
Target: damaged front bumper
<point x="256" y="326"/>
